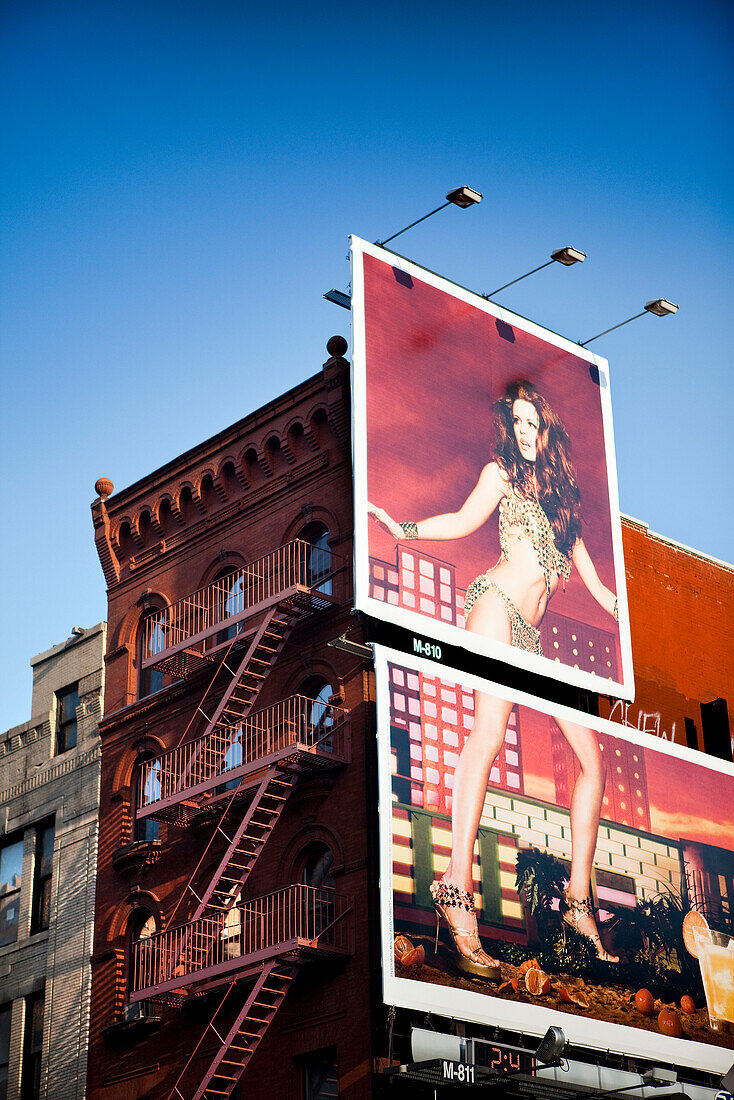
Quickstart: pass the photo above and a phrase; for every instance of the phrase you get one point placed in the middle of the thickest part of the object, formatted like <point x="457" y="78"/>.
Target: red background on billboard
<point x="435" y="367"/>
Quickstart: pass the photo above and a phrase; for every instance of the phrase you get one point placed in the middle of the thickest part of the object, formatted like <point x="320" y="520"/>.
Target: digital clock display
<point x="502" y="1059"/>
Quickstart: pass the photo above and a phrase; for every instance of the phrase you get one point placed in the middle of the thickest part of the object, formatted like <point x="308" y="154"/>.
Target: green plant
<point x="540" y="878"/>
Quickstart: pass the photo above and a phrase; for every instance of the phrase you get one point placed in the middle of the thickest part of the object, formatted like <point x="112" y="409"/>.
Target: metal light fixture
<point x="355" y="649"/>
<point x="460" y="196"/>
<point x="727" y="1081"/>
<point x="551" y="1047"/>
<point x="568" y="256"/>
<point x="661" y="307"/>
<point x="339" y="298"/>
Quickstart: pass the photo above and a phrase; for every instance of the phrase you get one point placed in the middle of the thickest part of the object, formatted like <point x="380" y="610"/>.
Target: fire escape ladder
<point x="237" y="1046"/>
<point x="247" y="680"/>
<point x="246" y="843"/>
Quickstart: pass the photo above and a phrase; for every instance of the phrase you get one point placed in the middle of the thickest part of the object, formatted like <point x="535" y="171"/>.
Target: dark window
<point x="66" y="703"/>
<point x="6" y="1012"/>
<point x="320" y="1075"/>
<point x="30" y="1087"/>
<point x="42" y="877"/>
<point x="11" y="870"/>
<point x="146" y="789"/>
<point x="151" y="640"/>
<point x="318" y="902"/>
<point x="318" y="561"/>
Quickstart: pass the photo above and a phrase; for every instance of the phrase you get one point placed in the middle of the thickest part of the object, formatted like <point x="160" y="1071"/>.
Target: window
<point x="66" y="703"/>
<point x="318" y="561"/>
<point x="30" y="1087"/>
<point x="151" y="640"/>
<point x="230" y="601"/>
<point x="318" y="716"/>
<point x="41" y="909"/>
<point x="6" y="1012"/>
<point x="11" y="870"/>
<point x="318" y="902"/>
<point x="141" y="927"/>
<point x="146" y="789"/>
<point x="320" y="1075"/>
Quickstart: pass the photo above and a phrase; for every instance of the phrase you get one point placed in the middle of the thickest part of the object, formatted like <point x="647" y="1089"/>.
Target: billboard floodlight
<point x="460" y="196"/>
<point x="464" y="196"/>
<point x="339" y="298"/>
<point x="568" y="256"/>
<point x="661" y="307"/>
<point x="727" y="1081"/>
<point x="551" y="1047"/>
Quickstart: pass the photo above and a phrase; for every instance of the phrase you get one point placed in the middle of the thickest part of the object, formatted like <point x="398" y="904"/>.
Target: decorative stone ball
<point x="337" y="345"/>
<point x="103" y="487"/>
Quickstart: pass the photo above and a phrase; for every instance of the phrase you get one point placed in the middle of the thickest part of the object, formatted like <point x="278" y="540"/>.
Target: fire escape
<point x="238" y="775"/>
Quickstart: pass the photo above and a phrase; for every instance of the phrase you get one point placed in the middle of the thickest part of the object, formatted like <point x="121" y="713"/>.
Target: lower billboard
<point x="543" y="867"/>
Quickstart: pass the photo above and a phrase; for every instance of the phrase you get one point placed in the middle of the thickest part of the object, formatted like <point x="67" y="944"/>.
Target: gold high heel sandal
<point x="575" y="910"/>
<point x="471" y="958"/>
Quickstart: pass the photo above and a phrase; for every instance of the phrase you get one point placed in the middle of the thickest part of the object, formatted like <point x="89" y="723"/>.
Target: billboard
<point x="597" y="862"/>
<point x="486" y="510"/>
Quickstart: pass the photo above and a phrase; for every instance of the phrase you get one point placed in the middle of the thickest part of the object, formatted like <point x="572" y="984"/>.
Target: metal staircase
<point x="248" y="841"/>
<point x="241" y="769"/>
<point x="239" y="1042"/>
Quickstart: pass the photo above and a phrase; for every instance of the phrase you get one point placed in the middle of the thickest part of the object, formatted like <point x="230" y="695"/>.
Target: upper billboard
<point x="486" y="510"/>
<point x="532" y="865"/>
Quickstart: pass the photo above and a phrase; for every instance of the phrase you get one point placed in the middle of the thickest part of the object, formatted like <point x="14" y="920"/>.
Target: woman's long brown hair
<point x="557" y="490"/>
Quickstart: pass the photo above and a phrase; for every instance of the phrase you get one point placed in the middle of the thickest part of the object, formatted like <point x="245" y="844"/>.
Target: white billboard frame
<point x="484" y="1008"/>
<point x="423" y="626"/>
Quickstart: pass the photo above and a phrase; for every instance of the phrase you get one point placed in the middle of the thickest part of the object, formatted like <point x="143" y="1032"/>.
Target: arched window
<point x="317" y="865"/>
<point x="151" y="640"/>
<point x="141" y="926"/>
<point x="318" y="716"/>
<point x="318" y="900"/>
<point x="318" y="561"/>
<point x="146" y="788"/>
<point x="230" y="590"/>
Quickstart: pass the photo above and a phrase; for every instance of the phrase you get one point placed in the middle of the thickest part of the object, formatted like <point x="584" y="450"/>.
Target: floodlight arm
<point x="400" y="231"/>
<point x="518" y="280"/>
<point x="583" y="343"/>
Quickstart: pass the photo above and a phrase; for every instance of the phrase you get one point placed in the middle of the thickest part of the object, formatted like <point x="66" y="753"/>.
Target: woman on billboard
<point x="532" y="484"/>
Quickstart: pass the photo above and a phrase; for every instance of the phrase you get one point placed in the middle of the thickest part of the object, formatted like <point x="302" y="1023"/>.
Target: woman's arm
<point x="476" y="510"/>
<point x="603" y="595"/>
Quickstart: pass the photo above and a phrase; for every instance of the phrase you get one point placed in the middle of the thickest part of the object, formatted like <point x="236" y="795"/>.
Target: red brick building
<point x="236" y="930"/>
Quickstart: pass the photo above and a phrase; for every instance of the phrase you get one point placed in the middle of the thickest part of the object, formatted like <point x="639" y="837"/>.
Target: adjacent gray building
<point x="49" y="804"/>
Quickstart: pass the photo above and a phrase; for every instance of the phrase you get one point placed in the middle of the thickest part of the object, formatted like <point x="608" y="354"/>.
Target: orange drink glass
<point x="716" y="959"/>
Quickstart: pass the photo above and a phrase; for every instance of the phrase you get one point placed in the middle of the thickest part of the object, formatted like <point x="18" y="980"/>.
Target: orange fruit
<point x="402" y="947"/>
<point x="695" y="928"/>
<point x="687" y="1004"/>
<point x="529" y="964"/>
<point x="669" y="1023"/>
<point x="508" y="987"/>
<point x="536" y="982"/>
<point x="644" y="1002"/>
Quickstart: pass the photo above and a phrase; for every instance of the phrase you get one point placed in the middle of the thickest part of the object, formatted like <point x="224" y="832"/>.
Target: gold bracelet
<point x="409" y="529"/>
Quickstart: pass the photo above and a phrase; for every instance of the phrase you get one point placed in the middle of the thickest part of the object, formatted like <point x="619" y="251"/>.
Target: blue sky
<point x="179" y="181"/>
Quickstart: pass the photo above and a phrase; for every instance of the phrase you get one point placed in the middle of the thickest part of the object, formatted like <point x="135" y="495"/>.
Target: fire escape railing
<point x="226" y="753"/>
<point x="298" y="568"/>
<point x="296" y="919"/>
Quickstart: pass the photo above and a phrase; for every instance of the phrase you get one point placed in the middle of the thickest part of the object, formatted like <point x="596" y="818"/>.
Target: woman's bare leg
<point x="489" y="618"/>
<point x="586" y="803"/>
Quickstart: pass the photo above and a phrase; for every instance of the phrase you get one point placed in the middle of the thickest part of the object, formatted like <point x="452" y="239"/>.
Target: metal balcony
<point x="181" y="636"/>
<point x="295" y="922"/>
<point x="300" y="732"/>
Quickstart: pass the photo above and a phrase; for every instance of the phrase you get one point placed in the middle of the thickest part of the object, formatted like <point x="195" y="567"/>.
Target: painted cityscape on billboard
<point x="486" y="509"/>
<point x="544" y="812"/>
